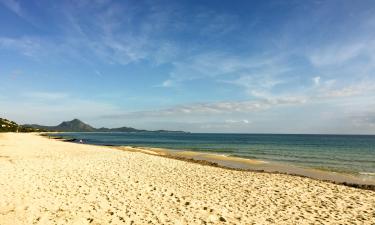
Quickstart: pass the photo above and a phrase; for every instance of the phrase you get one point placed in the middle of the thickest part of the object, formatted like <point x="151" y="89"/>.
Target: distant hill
<point x="8" y="126"/>
<point x="73" y="126"/>
<point x="120" y="129"/>
<point x="77" y="125"/>
<point x="11" y="126"/>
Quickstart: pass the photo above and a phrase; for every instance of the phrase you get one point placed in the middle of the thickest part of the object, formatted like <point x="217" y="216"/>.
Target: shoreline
<point x="45" y="181"/>
<point x="244" y="164"/>
<point x="314" y="175"/>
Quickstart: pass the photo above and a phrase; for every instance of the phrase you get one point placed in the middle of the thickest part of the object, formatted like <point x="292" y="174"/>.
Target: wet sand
<point x="366" y="182"/>
<point x="46" y="181"/>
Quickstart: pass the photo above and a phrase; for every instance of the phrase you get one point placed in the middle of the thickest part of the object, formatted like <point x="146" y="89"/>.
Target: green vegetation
<point x="11" y="126"/>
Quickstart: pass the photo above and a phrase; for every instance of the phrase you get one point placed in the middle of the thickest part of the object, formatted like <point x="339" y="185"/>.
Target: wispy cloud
<point x="233" y="121"/>
<point x="338" y="54"/>
<point x="257" y="62"/>
<point x="91" y="30"/>
<point x="340" y="88"/>
<point x="123" y="33"/>
<point x="214" y="64"/>
<point x="46" y="95"/>
<point x="215" y="108"/>
<point x="25" y="45"/>
<point x="19" y="8"/>
<point x="259" y="84"/>
<point x="365" y="119"/>
<point x="356" y="89"/>
<point x="219" y="24"/>
<point x="14" y="6"/>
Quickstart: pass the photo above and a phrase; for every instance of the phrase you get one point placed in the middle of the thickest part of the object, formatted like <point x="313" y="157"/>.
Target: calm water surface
<point x="341" y="153"/>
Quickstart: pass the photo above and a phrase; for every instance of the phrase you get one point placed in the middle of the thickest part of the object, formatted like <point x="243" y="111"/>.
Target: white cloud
<point x="233" y="121"/>
<point x="316" y="80"/>
<point x="167" y="83"/>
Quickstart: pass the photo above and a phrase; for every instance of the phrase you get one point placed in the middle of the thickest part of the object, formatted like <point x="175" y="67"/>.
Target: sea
<point x="352" y="154"/>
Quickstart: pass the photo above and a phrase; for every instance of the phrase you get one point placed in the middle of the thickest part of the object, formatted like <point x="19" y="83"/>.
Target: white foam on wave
<point x="223" y="155"/>
<point x="367" y="173"/>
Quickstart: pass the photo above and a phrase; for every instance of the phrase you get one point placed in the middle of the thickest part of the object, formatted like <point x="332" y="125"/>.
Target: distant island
<point x="77" y="125"/>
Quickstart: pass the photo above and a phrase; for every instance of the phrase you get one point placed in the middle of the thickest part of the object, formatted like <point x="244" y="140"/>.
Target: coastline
<point x="245" y="164"/>
<point x="249" y="165"/>
<point x="45" y="181"/>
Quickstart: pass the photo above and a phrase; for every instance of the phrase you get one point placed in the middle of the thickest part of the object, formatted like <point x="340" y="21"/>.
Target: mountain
<point x="78" y="126"/>
<point x="11" y="126"/>
<point x="67" y="126"/>
<point x="74" y="125"/>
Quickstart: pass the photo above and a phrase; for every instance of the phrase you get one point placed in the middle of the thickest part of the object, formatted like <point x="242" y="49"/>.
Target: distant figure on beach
<point x="80" y="141"/>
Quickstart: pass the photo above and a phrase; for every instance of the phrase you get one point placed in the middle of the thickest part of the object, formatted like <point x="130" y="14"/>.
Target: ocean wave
<point x="367" y="173"/>
<point x="221" y="154"/>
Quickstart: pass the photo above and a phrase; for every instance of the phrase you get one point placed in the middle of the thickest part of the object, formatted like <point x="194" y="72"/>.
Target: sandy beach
<point x="45" y="181"/>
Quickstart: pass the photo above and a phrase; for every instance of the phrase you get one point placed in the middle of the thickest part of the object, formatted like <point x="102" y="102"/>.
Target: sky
<point x="200" y="66"/>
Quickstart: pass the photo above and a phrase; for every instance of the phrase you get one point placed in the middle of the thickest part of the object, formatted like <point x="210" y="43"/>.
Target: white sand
<point x="52" y="182"/>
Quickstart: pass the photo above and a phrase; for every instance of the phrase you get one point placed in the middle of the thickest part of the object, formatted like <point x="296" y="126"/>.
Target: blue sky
<point x="201" y="66"/>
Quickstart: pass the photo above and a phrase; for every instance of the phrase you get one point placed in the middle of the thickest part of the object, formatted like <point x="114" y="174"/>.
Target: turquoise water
<point x="353" y="154"/>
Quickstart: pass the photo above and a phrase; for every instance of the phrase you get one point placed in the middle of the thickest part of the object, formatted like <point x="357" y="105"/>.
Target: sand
<point x="45" y="181"/>
<point x="230" y="162"/>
